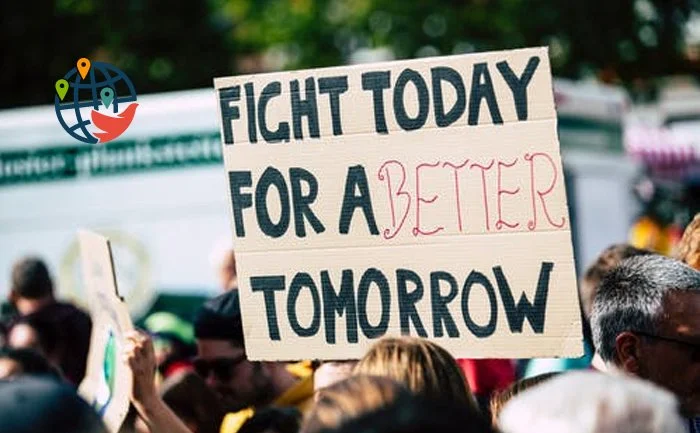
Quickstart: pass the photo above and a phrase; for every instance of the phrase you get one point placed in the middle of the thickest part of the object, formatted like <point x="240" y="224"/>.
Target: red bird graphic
<point x="113" y="127"/>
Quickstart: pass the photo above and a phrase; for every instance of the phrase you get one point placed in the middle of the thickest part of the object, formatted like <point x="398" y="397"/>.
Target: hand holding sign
<point x="108" y="380"/>
<point x="140" y="356"/>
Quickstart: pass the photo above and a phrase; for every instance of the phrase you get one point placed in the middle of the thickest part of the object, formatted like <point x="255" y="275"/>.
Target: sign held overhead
<point x="421" y="197"/>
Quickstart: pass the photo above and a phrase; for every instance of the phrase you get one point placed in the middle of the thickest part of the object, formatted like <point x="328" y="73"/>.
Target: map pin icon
<point x="61" y="88"/>
<point x="83" y="67"/>
<point x="107" y="96"/>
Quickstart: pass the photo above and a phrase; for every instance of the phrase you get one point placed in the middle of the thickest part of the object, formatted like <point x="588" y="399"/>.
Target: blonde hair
<point x="500" y="398"/>
<point x="349" y="399"/>
<point x="688" y="250"/>
<point x="421" y="365"/>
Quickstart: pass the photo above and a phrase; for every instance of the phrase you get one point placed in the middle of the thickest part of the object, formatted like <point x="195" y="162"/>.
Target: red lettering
<point x="417" y="230"/>
<point x="501" y="222"/>
<point x="456" y="169"/>
<point x="532" y="224"/>
<point x="483" y="187"/>
<point x="385" y="167"/>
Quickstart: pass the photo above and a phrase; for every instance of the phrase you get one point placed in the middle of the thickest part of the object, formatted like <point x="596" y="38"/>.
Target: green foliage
<point x="166" y="45"/>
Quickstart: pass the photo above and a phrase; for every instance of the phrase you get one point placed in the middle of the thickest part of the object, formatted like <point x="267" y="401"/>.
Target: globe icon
<point x="84" y="95"/>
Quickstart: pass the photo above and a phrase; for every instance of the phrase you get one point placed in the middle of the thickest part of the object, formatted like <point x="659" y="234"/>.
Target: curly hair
<point x="688" y="249"/>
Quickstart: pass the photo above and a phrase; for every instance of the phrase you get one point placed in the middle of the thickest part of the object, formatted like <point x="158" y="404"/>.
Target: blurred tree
<point x="165" y="45"/>
<point x="161" y="45"/>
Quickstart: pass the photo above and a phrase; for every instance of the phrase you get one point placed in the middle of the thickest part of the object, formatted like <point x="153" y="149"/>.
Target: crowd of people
<point x="640" y="372"/>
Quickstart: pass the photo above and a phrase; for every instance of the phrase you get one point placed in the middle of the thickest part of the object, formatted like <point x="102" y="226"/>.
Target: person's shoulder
<point x="62" y="313"/>
<point x="71" y="310"/>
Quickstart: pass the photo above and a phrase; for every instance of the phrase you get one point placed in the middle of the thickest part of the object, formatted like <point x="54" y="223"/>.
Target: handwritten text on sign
<point x="422" y="197"/>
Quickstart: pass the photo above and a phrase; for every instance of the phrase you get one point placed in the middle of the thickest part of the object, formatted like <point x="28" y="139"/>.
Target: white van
<point x="159" y="191"/>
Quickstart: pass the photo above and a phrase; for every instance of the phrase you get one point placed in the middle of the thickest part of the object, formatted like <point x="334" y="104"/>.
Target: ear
<point x="627" y="352"/>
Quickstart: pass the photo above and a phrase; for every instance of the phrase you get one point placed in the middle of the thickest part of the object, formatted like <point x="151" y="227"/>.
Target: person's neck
<point x="28" y="306"/>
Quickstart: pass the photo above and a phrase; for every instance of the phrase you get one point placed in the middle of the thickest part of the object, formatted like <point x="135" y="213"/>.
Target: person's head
<point x="20" y="362"/>
<point x="499" y="399"/>
<point x="646" y="322"/>
<point x="587" y="402"/>
<point x="349" y="399"/>
<point x="221" y="358"/>
<point x="39" y="405"/>
<point x="330" y="372"/>
<point x="416" y="414"/>
<point x="36" y="333"/>
<point x="30" y="280"/>
<point x="61" y="333"/>
<point x="228" y="278"/>
<point x="421" y="365"/>
<point x="606" y="261"/>
<point x="32" y="332"/>
<point x="688" y="249"/>
<point x="273" y="420"/>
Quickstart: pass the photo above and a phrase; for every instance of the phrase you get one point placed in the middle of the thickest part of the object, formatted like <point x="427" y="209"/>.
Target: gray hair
<point x="630" y="297"/>
<point x="588" y="402"/>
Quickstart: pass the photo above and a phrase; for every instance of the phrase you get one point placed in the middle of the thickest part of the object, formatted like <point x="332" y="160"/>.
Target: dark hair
<point x="63" y="334"/>
<point x="47" y="333"/>
<point x="220" y="319"/>
<point x="31" y="279"/>
<point x="3" y="334"/>
<point x="32" y="362"/>
<point x="37" y="405"/>
<point x="631" y="297"/>
<point x="279" y="420"/>
<point x="417" y="414"/>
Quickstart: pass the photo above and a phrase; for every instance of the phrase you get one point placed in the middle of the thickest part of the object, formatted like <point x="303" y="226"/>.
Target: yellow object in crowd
<point x="299" y="396"/>
<point x="648" y="234"/>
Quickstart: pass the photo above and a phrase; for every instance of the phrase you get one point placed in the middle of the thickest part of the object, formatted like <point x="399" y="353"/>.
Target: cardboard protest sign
<point x="108" y="379"/>
<point x="422" y="197"/>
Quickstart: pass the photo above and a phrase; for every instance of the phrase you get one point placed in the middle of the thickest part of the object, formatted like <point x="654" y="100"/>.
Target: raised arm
<point x="140" y="356"/>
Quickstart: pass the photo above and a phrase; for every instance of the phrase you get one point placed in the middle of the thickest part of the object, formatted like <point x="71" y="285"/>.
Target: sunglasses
<point x="693" y="348"/>
<point x="221" y="367"/>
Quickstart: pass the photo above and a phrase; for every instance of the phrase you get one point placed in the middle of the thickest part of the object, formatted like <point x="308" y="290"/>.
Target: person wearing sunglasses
<point x="221" y="361"/>
<point x="646" y="322"/>
<point x="241" y="385"/>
